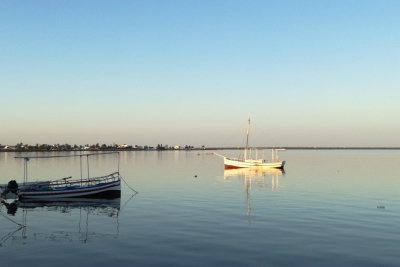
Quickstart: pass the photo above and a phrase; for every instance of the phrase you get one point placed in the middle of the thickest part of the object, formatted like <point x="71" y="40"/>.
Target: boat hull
<point x="235" y="164"/>
<point x="105" y="190"/>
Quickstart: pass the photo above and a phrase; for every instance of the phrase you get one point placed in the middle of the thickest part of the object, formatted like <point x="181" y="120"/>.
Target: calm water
<point x="322" y="211"/>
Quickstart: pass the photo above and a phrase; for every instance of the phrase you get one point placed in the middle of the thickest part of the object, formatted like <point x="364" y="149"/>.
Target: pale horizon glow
<point x="307" y="73"/>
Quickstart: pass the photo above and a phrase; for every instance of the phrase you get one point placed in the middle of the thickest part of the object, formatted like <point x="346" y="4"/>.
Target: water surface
<point x="322" y="210"/>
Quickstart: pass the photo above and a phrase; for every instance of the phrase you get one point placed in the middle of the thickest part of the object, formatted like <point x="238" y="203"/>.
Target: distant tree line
<point x="97" y="146"/>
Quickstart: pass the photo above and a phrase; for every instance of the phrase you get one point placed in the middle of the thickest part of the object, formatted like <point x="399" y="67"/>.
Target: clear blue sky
<point x="307" y="73"/>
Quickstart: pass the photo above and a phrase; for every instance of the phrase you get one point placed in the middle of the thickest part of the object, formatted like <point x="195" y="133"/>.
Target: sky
<point x="307" y="73"/>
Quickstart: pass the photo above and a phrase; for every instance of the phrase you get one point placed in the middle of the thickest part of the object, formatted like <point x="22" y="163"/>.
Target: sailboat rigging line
<point x="80" y="159"/>
<point x="240" y="129"/>
<point x="118" y="162"/>
<point x="26" y="165"/>
<point x="277" y="144"/>
<point x="87" y="160"/>
<point x="248" y="130"/>
<point x="247" y="140"/>
<point x="24" y="171"/>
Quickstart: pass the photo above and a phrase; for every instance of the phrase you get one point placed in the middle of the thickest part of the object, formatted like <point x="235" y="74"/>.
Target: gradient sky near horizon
<point x="307" y="73"/>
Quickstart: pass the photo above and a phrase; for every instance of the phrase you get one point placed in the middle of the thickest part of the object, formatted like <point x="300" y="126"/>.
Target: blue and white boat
<point x="107" y="186"/>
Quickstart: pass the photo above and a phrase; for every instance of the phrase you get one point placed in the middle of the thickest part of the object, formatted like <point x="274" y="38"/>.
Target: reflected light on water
<point x="258" y="177"/>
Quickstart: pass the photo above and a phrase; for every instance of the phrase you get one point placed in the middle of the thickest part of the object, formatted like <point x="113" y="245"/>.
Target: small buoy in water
<point x="380" y="207"/>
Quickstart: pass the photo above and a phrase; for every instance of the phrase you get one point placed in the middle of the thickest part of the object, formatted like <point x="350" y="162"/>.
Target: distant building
<point x="123" y="146"/>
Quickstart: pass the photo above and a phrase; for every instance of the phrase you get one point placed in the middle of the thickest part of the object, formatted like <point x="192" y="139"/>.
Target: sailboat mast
<point x="247" y="141"/>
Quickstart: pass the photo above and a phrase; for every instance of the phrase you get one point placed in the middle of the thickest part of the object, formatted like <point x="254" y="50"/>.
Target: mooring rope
<point x="129" y="186"/>
<point x="127" y="202"/>
<point x="5" y="216"/>
<point x="4" y="239"/>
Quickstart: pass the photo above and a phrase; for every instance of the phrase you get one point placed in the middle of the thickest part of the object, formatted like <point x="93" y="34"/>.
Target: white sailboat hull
<point x="237" y="163"/>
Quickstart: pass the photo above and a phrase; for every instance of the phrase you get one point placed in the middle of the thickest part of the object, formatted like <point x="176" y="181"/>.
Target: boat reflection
<point x="11" y="207"/>
<point x="81" y="213"/>
<point x="258" y="177"/>
<point x="108" y="207"/>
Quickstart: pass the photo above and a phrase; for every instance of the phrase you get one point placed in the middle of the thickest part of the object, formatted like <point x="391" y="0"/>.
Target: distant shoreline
<point x="200" y="149"/>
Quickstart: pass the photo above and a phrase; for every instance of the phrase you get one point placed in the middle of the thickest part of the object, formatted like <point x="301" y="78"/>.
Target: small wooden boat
<point x="107" y="186"/>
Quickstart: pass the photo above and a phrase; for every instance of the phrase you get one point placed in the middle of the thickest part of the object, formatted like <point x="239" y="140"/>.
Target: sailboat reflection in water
<point x="255" y="177"/>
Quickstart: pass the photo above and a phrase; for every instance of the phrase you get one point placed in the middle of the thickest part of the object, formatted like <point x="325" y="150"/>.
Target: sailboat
<point x="247" y="162"/>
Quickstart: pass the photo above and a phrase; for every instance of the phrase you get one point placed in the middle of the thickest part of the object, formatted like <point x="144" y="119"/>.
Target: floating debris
<point x="380" y="207"/>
